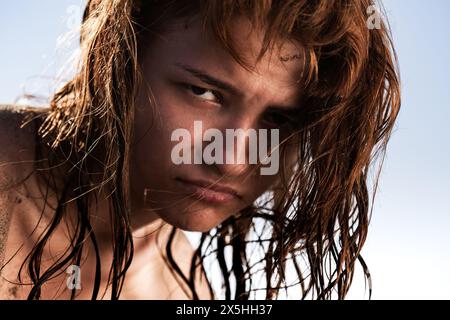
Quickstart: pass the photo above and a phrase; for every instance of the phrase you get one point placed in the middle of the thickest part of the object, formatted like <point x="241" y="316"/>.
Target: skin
<point x="168" y="75"/>
<point x="270" y="86"/>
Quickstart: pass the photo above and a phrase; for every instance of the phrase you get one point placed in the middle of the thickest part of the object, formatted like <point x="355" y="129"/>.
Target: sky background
<point x="407" y="249"/>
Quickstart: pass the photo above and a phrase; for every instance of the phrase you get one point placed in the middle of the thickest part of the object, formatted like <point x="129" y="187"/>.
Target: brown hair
<point x="321" y="214"/>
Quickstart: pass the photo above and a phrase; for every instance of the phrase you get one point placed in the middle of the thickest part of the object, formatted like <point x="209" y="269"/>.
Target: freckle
<point x="5" y="212"/>
<point x="13" y="292"/>
<point x="18" y="200"/>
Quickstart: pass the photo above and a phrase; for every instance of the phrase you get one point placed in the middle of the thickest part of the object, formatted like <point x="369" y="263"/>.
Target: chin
<point x="200" y="221"/>
<point x="192" y="226"/>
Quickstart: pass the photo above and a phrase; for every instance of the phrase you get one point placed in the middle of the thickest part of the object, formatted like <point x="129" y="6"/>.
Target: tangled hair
<point x="316" y="223"/>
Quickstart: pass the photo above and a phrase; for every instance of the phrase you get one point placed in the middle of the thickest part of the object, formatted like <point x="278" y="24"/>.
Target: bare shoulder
<point x="15" y="147"/>
<point x="13" y="124"/>
<point x="17" y="143"/>
<point x="16" y="161"/>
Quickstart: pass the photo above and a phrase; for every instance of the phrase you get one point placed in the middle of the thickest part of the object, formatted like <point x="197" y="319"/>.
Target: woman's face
<point x="191" y="77"/>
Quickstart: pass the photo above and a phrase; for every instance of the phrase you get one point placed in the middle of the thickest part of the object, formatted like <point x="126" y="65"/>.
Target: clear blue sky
<point x="408" y="245"/>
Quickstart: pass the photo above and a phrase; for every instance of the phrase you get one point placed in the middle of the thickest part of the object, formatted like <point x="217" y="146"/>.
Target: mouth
<point x="209" y="191"/>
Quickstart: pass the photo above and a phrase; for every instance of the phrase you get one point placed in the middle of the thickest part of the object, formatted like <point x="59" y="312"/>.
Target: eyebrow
<point x="208" y="79"/>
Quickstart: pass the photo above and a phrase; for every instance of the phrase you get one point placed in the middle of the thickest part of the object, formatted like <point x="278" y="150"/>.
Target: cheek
<point x="152" y="145"/>
<point x="155" y="121"/>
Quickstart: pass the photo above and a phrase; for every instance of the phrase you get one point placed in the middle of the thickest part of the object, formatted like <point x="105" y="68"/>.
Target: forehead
<point x="278" y="69"/>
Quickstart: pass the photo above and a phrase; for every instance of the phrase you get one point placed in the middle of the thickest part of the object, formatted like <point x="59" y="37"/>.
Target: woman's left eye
<point x="205" y="94"/>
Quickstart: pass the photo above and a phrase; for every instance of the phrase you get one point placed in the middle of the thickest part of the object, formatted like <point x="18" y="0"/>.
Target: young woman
<point x="92" y="203"/>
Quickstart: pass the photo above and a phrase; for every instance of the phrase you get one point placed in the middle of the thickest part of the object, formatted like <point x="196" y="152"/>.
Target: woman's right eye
<point x="205" y="94"/>
<point x="278" y="119"/>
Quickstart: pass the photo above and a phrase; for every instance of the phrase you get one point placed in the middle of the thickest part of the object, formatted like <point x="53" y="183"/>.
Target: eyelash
<point x="218" y="96"/>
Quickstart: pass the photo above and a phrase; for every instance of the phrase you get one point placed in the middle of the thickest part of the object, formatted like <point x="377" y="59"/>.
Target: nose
<point x="239" y="158"/>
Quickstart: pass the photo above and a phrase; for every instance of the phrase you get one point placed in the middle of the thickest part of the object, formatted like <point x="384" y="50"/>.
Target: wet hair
<point x="315" y="224"/>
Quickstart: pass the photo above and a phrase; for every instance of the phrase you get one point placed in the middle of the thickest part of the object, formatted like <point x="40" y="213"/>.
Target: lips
<point x="209" y="191"/>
